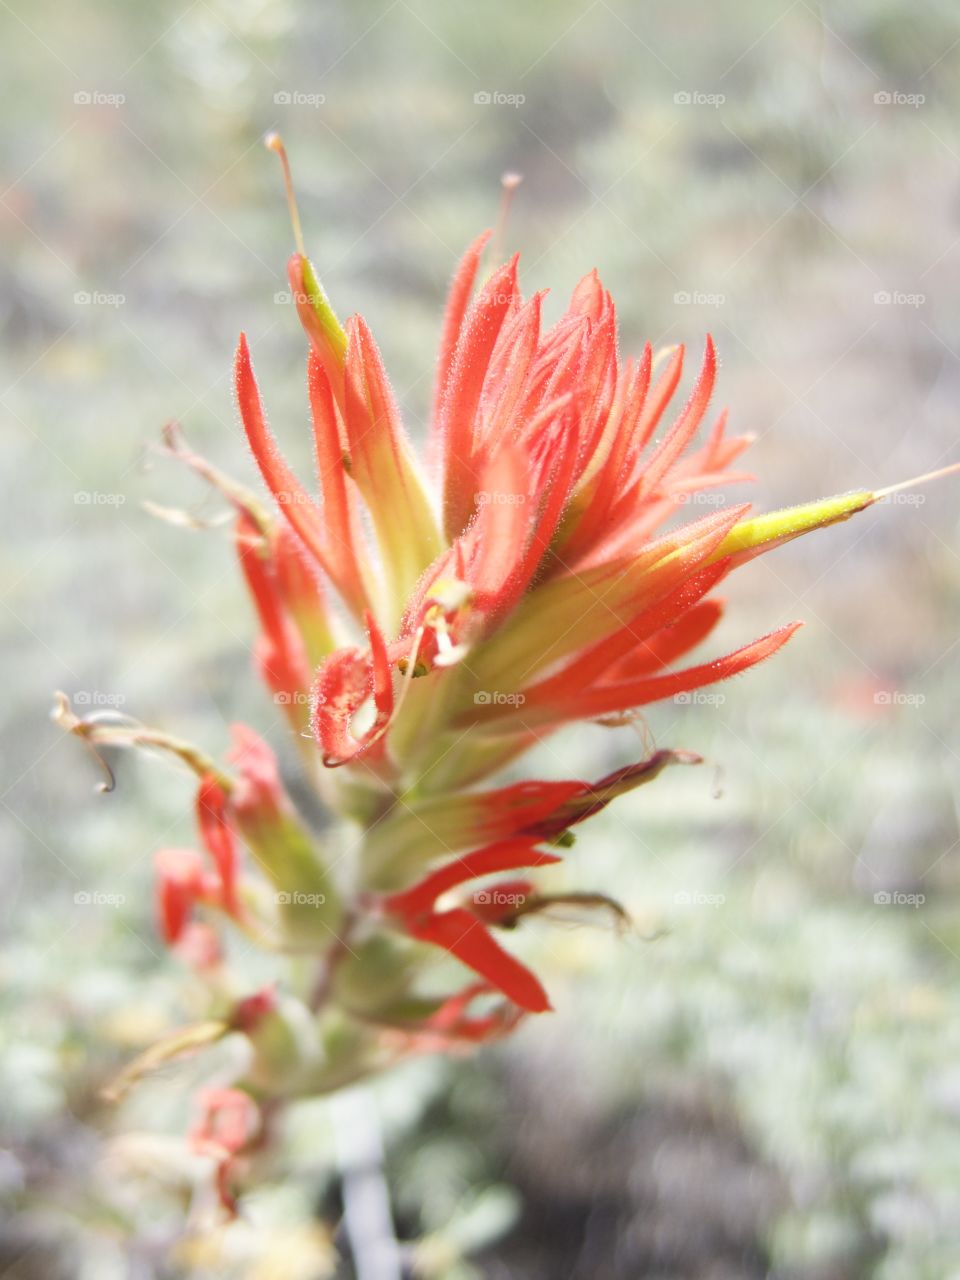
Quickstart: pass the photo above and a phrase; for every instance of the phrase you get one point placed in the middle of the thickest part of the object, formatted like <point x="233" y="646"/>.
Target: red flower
<point x="552" y="576"/>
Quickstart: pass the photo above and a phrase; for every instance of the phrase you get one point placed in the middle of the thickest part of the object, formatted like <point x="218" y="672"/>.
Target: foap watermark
<point x="294" y="699"/>
<point x="94" y="498"/>
<point x="897" y="298"/>
<point x="903" y="498"/>
<point x="700" y="698"/>
<point x="98" y="698"/>
<point x="297" y="898"/>
<point x="97" y="898"/>
<point x="896" y="98"/>
<point x="497" y="698"/>
<point x="500" y="498"/>
<point x="288" y="498"/>
<point x="297" y="98"/>
<point x="283" y="298"/>
<point x="694" y="898"/>
<point x="498" y="898"/>
<point x="703" y="498"/>
<point x="497" y="98"/>
<point x="698" y="298"/>
<point x="898" y="698"/>
<point x="697" y="98"/>
<point x="86" y="298"/>
<point x="896" y="898"/>
<point x="98" y="98"/>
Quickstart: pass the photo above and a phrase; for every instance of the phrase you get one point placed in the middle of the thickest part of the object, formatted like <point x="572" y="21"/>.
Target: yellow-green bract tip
<point x="774" y="527"/>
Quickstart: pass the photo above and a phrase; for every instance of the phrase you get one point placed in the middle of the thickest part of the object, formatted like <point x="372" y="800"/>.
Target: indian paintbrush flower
<point x="421" y="637"/>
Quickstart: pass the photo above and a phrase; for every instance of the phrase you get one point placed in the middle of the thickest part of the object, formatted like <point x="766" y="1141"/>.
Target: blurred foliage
<point x="765" y="1081"/>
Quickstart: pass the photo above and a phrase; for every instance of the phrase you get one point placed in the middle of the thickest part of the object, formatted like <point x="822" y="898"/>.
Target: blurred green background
<point x="767" y="1081"/>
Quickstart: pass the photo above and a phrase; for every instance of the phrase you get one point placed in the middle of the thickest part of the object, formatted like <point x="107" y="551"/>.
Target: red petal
<point x="343" y="535"/>
<point x="670" y="642"/>
<point x="660" y="397"/>
<point x="627" y="694"/>
<point x="452" y="1022"/>
<point x="461" y="394"/>
<point x="685" y="427"/>
<point x="465" y="937"/>
<point x="457" y="301"/>
<point x="509" y="855"/>
<point x="382" y="673"/>
<point x="341" y="686"/>
<point x="283" y="659"/>
<point x="287" y="490"/>
<point x="594" y="796"/>
<point x="179" y="884"/>
<point x="218" y="837"/>
<point x="344" y="682"/>
<point x="586" y="668"/>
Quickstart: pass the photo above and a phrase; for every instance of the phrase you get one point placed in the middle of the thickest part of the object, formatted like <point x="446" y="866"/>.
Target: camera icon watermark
<point x="97" y="98"/>
<point x="688" y="898"/>
<point x="96" y="898"/>
<point x="98" y="698"/>
<point x="895" y="98"/>
<point x="696" y="98"/>
<point x="84" y="298"/>
<point x="499" y="898"/>
<point x="898" y="698"/>
<point x="497" y="698"/>
<point x="497" y="98"/>
<point x="700" y="698"/>
<point x="897" y="298"/>
<point x="703" y="498"/>
<point x="297" y="98"/>
<point x="698" y="298"/>
<point x="500" y="498"/>
<point x="297" y="898"/>
<point x="895" y="898"/>
<point x="283" y="298"/>
<point x="94" y="498"/>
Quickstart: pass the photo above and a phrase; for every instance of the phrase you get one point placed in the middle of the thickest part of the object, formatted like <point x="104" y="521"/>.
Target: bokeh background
<point x="766" y="1079"/>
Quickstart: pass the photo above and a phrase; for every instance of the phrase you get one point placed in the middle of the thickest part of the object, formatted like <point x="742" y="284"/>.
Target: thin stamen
<point x="275" y="143"/>
<point x="912" y="484"/>
<point x="508" y="183"/>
